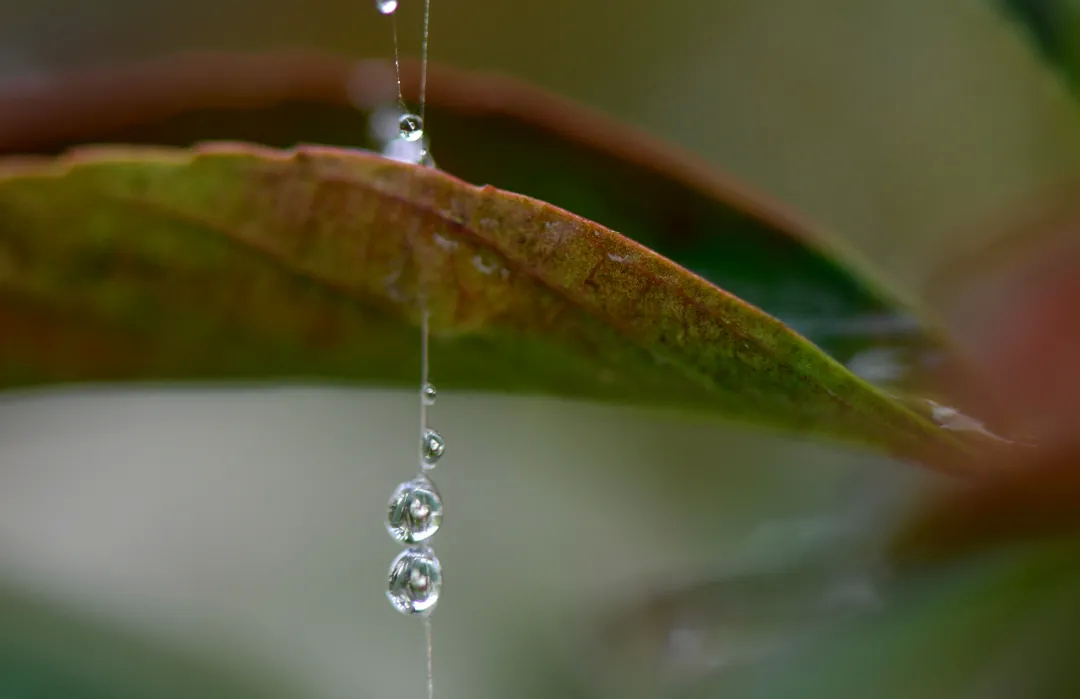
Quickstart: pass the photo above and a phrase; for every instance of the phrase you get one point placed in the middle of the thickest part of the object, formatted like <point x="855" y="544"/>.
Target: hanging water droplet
<point x="386" y="7"/>
<point x="414" y="581"/>
<point x="414" y="512"/>
<point x="434" y="446"/>
<point x="429" y="394"/>
<point x="410" y="127"/>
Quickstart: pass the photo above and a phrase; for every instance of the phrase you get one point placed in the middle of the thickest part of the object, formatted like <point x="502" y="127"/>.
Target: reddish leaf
<point x="494" y="130"/>
<point x="242" y="262"/>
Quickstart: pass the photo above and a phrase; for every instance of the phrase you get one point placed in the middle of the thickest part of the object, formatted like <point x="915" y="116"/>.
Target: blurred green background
<point x="229" y="543"/>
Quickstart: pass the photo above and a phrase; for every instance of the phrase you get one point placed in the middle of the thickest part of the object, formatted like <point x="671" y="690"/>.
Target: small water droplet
<point x="415" y="580"/>
<point x="414" y="512"/>
<point x="386" y="7"/>
<point x="950" y="418"/>
<point x="434" y="446"/>
<point x="486" y="262"/>
<point x="410" y="127"/>
<point x="444" y="243"/>
<point x="429" y="394"/>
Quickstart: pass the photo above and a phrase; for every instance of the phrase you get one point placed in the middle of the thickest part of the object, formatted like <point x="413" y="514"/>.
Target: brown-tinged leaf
<point x="241" y="262"/>
<point x="490" y="129"/>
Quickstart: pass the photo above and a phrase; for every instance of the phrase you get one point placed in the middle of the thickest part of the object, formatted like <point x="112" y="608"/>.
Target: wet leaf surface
<point x="493" y="130"/>
<point x="241" y="262"/>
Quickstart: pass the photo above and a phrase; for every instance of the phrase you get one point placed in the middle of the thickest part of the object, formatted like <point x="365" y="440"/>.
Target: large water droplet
<point x="414" y="512"/>
<point x="428" y="394"/>
<point x="415" y="579"/>
<point x="433" y="447"/>
<point x="386" y="7"/>
<point x="410" y="127"/>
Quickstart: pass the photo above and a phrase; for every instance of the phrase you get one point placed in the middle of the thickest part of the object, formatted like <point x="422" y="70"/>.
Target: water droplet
<point x="429" y="394"/>
<point x="949" y="418"/>
<point x="434" y="446"/>
<point x="486" y="262"/>
<point x="410" y="127"/>
<point x="415" y="579"/>
<point x="386" y="7"/>
<point x="414" y="512"/>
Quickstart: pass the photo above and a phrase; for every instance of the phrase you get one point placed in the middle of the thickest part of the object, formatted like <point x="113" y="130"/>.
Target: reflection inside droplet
<point x="433" y="448"/>
<point x="414" y="512"/>
<point x="428" y="394"/>
<point x="415" y="580"/>
<point x="410" y="127"/>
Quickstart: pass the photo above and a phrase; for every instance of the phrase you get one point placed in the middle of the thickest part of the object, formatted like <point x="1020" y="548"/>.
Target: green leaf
<point x="239" y="262"/>
<point x="493" y="130"/>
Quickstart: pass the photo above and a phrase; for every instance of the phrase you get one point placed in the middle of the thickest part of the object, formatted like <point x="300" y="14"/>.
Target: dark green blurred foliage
<point x="1054" y="28"/>
<point x="1044" y="20"/>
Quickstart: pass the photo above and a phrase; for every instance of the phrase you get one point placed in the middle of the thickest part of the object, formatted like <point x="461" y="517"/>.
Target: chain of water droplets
<point x="414" y="515"/>
<point x="410" y="143"/>
<point x="415" y="510"/>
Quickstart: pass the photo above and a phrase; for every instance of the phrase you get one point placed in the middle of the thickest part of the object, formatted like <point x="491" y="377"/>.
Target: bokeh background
<point x="210" y="542"/>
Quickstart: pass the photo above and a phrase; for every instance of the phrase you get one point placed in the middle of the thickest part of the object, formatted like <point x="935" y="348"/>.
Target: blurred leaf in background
<point x="1046" y="20"/>
<point x="241" y="524"/>
<point x="1054" y="27"/>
